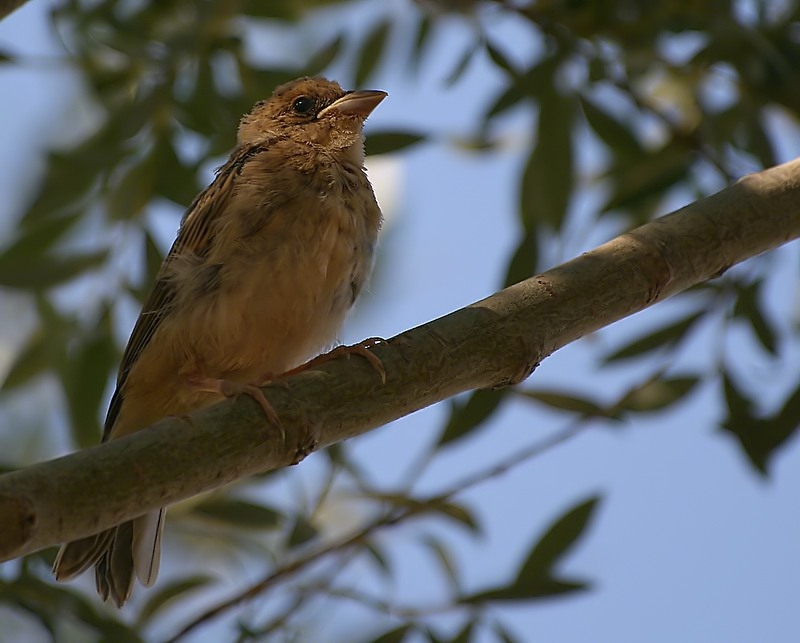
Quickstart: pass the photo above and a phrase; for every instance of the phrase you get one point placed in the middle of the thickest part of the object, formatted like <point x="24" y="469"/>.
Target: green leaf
<point x="238" y="513"/>
<point x="547" y="181"/>
<point x="168" y="595"/>
<point x="760" y="437"/>
<point x="68" y="179"/>
<point x="32" y="361"/>
<point x="38" y="236"/>
<point x="616" y="135"/>
<point x="564" y="402"/>
<point x="84" y="376"/>
<point x="371" y="52"/>
<point x="378" y="557"/>
<point x="445" y="559"/>
<point x="388" y="142"/>
<point x="302" y="532"/>
<point x="465" y="417"/>
<point x="461" y="65"/>
<point x="324" y="56"/>
<point x="39" y="273"/>
<point x="537" y="578"/>
<point x="501" y="60"/>
<point x="666" y="336"/>
<point x="421" y="39"/>
<point x="133" y="190"/>
<point x="525" y="261"/>
<point x="748" y="308"/>
<point x="445" y="508"/>
<point x="656" y="394"/>
<point x="397" y="635"/>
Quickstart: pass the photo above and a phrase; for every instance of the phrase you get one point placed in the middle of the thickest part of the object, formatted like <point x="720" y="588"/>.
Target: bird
<point x="266" y="264"/>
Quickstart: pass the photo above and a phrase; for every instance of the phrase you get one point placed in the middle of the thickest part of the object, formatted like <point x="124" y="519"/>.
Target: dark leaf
<point x="547" y="181"/>
<point x="378" y="557"/>
<point x="616" y="135"/>
<point x="397" y="635"/>
<point x="465" y="635"/>
<point x="656" y="394"/>
<point x="537" y="578"/>
<point x="388" y="142"/>
<point x="84" y="376"/>
<point x="441" y="553"/>
<point x="461" y="65"/>
<point x="323" y="58"/>
<point x="33" y="360"/>
<point x="760" y="437"/>
<point x="525" y="261"/>
<point x="666" y="336"/>
<point x="421" y="40"/>
<point x="134" y="190"/>
<point x="302" y="532"/>
<point x="748" y="308"/>
<point x="564" y="402"/>
<point x="239" y="513"/>
<point x="501" y="60"/>
<point x="39" y="273"/>
<point x="167" y="596"/>
<point x="39" y="236"/>
<point x="465" y="417"/>
<point x="371" y="52"/>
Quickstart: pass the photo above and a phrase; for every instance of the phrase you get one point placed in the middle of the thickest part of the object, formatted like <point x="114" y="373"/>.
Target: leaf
<point x="39" y="273"/>
<point x="760" y="437"/>
<point x="131" y="193"/>
<point x="32" y="361"/>
<point x="501" y="60"/>
<point x="525" y="261"/>
<point x="461" y="65"/>
<point x="239" y="513"/>
<point x="536" y="578"/>
<point x="378" y="557"/>
<point x="397" y="635"/>
<point x="446" y="561"/>
<point x="84" y="377"/>
<point x="68" y="179"/>
<point x="371" y="52"/>
<point x="323" y="57"/>
<point x="168" y="595"/>
<point x="445" y="508"/>
<point x="747" y="308"/>
<point x="547" y="181"/>
<point x="39" y="236"/>
<point x="302" y="532"/>
<point x="421" y="39"/>
<point x="465" y="417"/>
<point x="564" y="402"/>
<point x="388" y="142"/>
<point x="666" y="336"/>
<point x="616" y="135"/>
<point x="657" y="393"/>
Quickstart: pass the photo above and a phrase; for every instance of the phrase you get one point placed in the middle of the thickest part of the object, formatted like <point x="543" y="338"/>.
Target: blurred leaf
<point x="465" y="635"/>
<point x="748" y="308"/>
<point x="525" y="261"/>
<point x="502" y="633"/>
<point x="648" y="176"/>
<point x="501" y="60"/>
<point x="666" y="336"/>
<point x="656" y="394"/>
<point x="84" y="377"/>
<point x="302" y="532"/>
<point x="174" y="180"/>
<point x="39" y="236"/>
<point x="397" y="635"/>
<point x="616" y="135"/>
<point x="536" y="578"/>
<point x="421" y="39"/>
<point x="388" y="142"/>
<point x="760" y="437"/>
<point x="564" y="402"/>
<point x="547" y="181"/>
<point x="466" y="416"/>
<point x="238" y="513"/>
<point x="445" y="559"/>
<point x="133" y="191"/>
<point x="377" y="555"/>
<point x="462" y="64"/>
<point x="39" y="273"/>
<point x="324" y="57"/>
<point x="445" y="508"/>
<point x="371" y="52"/>
<point x="167" y="596"/>
<point x="288" y="10"/>
<point x="33" y="360"/>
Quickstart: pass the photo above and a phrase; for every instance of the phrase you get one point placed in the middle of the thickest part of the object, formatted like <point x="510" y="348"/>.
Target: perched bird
<point x="267" y="262"/>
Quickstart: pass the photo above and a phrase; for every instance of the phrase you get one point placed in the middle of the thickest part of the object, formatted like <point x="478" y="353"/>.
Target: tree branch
<point x="7" y="6"/>
<point x="494" y="342"/>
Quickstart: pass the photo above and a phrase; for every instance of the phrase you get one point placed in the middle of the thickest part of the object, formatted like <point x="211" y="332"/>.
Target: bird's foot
<point x="362" y="349"/>
<point x="232" y="389"/>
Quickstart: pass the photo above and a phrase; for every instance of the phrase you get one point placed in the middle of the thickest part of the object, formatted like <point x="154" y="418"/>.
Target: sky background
<point x="688" y="544"/>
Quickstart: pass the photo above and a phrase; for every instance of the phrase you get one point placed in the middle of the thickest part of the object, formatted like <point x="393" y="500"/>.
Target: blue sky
<point x="688" y="544"/>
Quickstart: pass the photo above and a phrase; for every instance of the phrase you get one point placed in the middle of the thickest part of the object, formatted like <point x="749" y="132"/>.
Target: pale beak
<point x="359" y="103"/>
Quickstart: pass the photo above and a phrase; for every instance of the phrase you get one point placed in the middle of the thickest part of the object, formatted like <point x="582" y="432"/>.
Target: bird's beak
<point x="360" y="103"/>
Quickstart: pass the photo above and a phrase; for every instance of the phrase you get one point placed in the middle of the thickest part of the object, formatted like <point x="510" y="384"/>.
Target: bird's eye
<point x="303" y="105"/>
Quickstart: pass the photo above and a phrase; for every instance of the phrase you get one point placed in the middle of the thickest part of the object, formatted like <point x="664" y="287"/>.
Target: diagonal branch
<point x="495" y="342"/>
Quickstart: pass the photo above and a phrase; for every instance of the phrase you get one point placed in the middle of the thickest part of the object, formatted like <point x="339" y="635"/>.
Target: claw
<point x="232" y="389"/>
<point x="362" y="349"/>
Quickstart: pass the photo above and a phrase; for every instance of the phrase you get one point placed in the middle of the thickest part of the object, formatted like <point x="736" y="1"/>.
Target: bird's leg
<point x="362" y="349"/>
<point x="232" y="389"/>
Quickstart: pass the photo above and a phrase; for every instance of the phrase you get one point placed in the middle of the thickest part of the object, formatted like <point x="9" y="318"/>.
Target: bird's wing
<point x="194" y="236"/>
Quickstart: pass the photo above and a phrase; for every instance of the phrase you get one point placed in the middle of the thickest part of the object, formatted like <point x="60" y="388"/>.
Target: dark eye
<point x="303" y="105"/>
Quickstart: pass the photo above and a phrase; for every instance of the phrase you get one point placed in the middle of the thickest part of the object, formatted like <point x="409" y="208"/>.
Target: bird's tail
<point x="120" y="555"/>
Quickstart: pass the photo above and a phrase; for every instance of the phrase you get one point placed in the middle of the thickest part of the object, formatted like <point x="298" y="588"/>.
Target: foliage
<point x="678" y="98"/>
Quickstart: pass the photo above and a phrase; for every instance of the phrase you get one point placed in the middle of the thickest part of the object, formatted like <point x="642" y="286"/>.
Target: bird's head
<point x="313" y="111"/>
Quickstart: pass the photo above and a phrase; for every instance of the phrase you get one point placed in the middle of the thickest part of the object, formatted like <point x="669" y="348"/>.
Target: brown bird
<point x="267" y="262"/>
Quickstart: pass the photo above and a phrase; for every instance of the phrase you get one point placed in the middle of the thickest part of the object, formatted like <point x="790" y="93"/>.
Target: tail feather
<point x="120" y="555"/>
